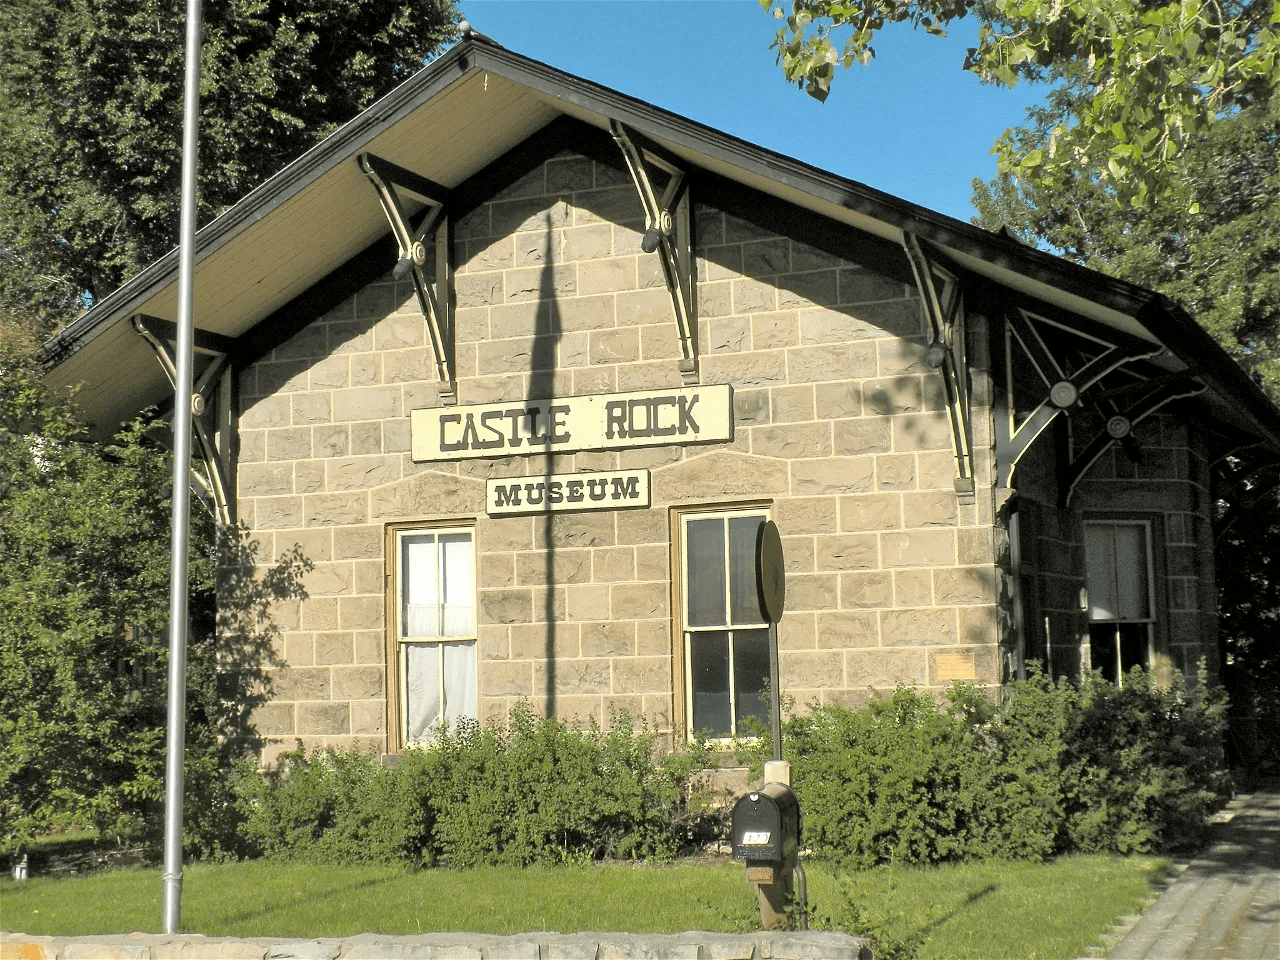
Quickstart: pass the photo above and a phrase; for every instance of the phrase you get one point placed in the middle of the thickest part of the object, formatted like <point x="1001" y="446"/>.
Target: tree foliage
<point x="84" y="582"/>
<point x="91" y="115"/>
<point x="1153" y="75"/>
<point x="1218" y="254"/>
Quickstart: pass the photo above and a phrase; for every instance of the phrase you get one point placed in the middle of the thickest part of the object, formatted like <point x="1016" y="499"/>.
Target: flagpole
<point x="178" y="626"/>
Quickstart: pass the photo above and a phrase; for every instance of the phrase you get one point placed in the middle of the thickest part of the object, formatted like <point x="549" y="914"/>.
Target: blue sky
<point x="912" y="124"/>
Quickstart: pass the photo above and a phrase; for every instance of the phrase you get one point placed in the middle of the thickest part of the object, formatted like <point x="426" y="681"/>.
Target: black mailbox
<point x="766" y="824"/>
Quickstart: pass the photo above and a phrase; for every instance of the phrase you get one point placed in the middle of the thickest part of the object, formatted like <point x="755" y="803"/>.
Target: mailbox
<point x="766" y="824"/>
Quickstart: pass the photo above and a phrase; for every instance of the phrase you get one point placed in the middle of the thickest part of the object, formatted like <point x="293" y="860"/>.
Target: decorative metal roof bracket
<point x="1064" y="390"/>
<point x="434" y="300"/>
<point x="1119" y="426"/>
<point x="210" y="409"/>
<point x="668" y="231"/>
<point x="943" y="307"/>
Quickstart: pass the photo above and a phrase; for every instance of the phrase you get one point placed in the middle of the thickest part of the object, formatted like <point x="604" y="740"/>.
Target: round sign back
<point x="770" y="576"/>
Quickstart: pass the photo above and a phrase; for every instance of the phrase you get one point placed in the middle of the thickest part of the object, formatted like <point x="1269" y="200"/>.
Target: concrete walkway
<point x="1225" y="904"/>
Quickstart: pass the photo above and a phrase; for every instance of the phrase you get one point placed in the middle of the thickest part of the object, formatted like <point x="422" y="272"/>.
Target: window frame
<point x="1153" y="622"/>
<point x="396" y="644"/>
<point x="681" y="633"/>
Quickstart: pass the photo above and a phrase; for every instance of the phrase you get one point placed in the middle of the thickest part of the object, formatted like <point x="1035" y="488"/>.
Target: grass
<point x="989" y="910"/>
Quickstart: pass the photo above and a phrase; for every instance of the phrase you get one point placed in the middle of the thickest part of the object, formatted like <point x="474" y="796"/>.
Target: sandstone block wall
<point x="840" y="429"/>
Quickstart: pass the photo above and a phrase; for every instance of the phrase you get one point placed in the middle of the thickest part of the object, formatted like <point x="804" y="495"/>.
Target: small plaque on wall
<point x="568" y="491"/>
<point x="955" y="666"/>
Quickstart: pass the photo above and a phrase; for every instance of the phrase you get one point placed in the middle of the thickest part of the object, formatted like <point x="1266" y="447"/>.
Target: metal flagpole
<point x="178" y="627"/>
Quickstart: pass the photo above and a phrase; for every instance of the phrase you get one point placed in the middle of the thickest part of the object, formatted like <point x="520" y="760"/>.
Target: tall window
<point x="726" y="640"/>
<point x="1118" y="578"/>
<point x="435" y="630"/>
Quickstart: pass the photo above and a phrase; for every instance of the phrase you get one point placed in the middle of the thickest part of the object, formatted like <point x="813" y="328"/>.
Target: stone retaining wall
<point x="697" y="945"/>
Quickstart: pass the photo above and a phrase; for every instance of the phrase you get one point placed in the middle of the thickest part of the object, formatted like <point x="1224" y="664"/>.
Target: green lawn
<point x="988" y="911"/>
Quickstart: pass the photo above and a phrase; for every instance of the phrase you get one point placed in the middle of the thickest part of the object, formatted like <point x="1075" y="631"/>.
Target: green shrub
<point x="533" y="790"/>
<point x="1142" y="765"/>
<point x="900" y="782"/>
<point x="1054" y="768"/>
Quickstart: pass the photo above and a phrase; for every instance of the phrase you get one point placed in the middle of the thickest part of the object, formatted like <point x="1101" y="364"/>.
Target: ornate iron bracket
<point x="434" y="300"/>
<point x="943" y="306"/>
<point x="210" y="408"/>
<point x="668" y="231"/>
<point x="1064" y="389"/>
<point x="1129" y="406"/>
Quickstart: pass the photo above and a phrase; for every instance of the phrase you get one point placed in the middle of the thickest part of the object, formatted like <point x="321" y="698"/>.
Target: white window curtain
<point x="437" y="601"/>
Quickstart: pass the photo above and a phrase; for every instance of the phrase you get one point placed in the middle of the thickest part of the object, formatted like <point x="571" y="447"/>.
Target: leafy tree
<point x="91" y="115"/>
<point x="84" y="582"/>
<point x="1218" y="254"/>
<point x="1152" y="76"/>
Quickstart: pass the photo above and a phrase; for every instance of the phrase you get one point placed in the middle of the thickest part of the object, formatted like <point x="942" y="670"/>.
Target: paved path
<point x="1225" y="904"/>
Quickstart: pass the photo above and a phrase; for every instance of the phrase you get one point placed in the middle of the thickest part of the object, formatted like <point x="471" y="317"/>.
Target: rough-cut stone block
<point x="885" y="397"/>
<point x="898" y="472"/>
<point x="832" y="476"/>
<point x="264" y="479"/>
<point x="653" y="637"/>
<point x="506" y="678"/>
<point x="614" y="346"/>
<point x="357" y="543"/>
<point x="277" y="513"/>
<point x="965" y="585"/>
<point x="847" y="629"/>
<point x="770" y="331"/>
<point x="916" y="628"/>
<point x="921" y="431"/>
<point x="360" y="613"/>
<point x="336" y="647"/>
<point x="804" y="290"/>
<point x="871" y="511"/>
<point x="918" y="548"/>
<point x="978" y="626"/>
<point x="289" y="443"/>
<point x="361" y="473"/>
<point x="797" y="515"/>
<point x="932" y="508"/>
<point x="639" y="601"/>
<point x="608" y="639"/>
<point x="586" y="601"/>
<point x="871" y="589"/>
<point x="367" y="403"/>
<point x="569" y="677"/>
<point x="323" y="718"/>
<point x="357" y="683"/>
<point x="847" y="552"/>
<point x="813" y="591"/>
<point x="885" y="669"/>
<point x="506" y="606"/>
<point x="554" y="566"/>
<point x="833" y="361"/>
<point x="794" y="441"/>
<point x="811" y="669"/>
<point x="328" y="579"/>
<point x="759" y="369"/>
<point x="728" y="335"/>
<point x="641" y="674"/>
<point x="728" y="474"/>
<point x="428" y="494"/>
<point x="838" y="400"/>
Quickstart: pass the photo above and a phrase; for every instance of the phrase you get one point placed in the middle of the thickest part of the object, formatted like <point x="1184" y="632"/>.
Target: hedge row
<point x="1053" y="768"/>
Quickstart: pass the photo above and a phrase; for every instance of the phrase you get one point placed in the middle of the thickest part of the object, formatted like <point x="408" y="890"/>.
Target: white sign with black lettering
<point x="568" y="491"/>
<point x="612" y="421"/>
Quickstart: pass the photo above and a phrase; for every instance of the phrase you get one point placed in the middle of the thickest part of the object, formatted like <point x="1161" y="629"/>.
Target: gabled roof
<point x="468" y="108"/>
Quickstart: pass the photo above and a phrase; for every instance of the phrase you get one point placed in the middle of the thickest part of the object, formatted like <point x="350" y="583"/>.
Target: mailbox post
<point x="766" y="834"/>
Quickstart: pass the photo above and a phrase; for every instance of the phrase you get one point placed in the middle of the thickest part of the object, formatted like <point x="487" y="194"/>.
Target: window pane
<point x="1102" y="650"/>
<point x="458" y="586"/>
<point x="1100" y="571"/>
<point x="419" y="598"/>
<point x="1133" y="646"/>
<point x="751" y="675"/>
<point x="704" y="580"/>
<point x="744" y="597"/>
<point x="709" y="680"/>
<point x="459" y="681"/>
<point x="1131" y="572"/>
<point x="422" y="690"/>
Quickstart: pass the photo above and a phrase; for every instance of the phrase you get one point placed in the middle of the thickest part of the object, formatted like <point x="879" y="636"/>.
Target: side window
<point x="434" y="674"/>
<point x="726" y="643"/>
<point x="1121" y="607"/>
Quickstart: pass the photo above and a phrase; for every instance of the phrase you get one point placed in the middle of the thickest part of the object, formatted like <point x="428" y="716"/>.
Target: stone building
<point x="523" y="365"/>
